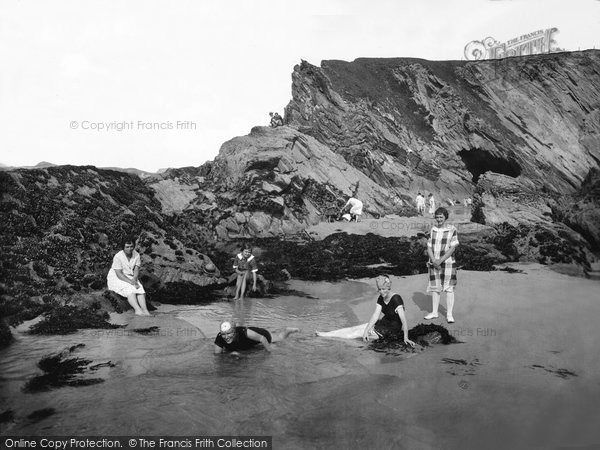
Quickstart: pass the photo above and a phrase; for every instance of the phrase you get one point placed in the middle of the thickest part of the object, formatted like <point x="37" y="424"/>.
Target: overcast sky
<point x="218" y="67"/>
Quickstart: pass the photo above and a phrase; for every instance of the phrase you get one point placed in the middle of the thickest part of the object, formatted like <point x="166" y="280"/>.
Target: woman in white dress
<point x="123" y="276"/>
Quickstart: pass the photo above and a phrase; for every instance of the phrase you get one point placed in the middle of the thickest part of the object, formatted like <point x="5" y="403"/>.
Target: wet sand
<point x="526" y="375"/>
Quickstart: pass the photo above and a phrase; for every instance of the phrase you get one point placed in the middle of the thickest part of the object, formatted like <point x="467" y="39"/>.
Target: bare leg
<point x="239" y="312"/>
<point x="243" y="290"/>
<point x="132" y="299"/>
<point x="355" y="332"/>
<point x="142" y="301"/>
<point x="281" y="335"/>
<point x="238" y="286"/>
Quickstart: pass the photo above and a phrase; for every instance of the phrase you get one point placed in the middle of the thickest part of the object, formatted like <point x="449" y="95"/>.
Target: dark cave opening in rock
<point x="479" y="162"/>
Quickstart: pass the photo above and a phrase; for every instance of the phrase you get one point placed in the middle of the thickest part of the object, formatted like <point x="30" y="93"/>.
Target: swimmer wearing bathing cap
<point x="233" y="339"/>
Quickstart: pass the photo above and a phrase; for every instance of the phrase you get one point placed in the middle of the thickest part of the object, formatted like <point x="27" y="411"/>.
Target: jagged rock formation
<point x="273" y="182"/>
<point x="581" y="211"/>
<point x="438" y="126"/>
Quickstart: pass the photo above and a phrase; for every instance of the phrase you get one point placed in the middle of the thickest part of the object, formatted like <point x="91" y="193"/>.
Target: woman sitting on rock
<point x="123" y="277"/>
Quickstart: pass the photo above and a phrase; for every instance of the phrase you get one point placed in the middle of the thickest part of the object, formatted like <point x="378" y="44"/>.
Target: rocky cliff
<point x="520" y="134"/>
<point x="273" y="182"/>
<point x="439" y="126"/>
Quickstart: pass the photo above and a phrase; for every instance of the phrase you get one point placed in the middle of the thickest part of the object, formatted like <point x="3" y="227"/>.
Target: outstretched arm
<point x="259" y="338"/>
<point x="400" y="312"/>
<point x="218" y="349"/>
<point x="372" y="320"/>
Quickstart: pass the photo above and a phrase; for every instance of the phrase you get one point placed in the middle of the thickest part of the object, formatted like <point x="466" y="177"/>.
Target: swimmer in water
<point x="232" y="338"/>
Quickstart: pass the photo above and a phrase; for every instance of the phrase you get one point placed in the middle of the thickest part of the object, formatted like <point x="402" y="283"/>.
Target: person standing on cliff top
<point x="420" y="201"/>
<point x="244" y="264"/>
<point x="123" y="276"/>
<point x="441" y="244"/>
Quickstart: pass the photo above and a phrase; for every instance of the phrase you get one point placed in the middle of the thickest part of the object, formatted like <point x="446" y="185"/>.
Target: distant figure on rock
<point x="123" y="276"/>
<point x="276" y="120"/>
<point x="233" y="339"/>
<point x="353" y="208"/>
<point x="441" y="244"/>
<point x="244" y="264"/>
<point x="431" y="202"/>
<point x="420" y="202"/>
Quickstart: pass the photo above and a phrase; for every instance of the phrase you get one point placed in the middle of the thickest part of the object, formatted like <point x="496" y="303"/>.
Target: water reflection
<point x="169" y="381"/>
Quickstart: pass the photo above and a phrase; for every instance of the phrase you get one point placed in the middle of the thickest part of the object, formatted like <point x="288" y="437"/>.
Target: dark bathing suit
<point x="390" y="325"/>
<point x="241" y="341"/>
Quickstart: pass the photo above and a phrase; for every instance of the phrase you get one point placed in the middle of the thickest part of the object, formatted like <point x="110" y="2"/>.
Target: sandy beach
<point x="526" y="375"/>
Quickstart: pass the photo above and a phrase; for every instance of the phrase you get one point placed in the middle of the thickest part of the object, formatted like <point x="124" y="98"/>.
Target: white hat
<point x="225" y="327"/>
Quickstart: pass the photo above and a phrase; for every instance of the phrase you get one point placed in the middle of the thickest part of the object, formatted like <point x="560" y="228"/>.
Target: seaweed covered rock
<point x="5" y="334"/>
<point x="7" y="416"/>
<point x="60" y="370"/>
<point x="343" y="255"/>
<point x="427" y="334"/>
<point x="68" y="319"/>
<point x="581" y="211"/>
<point x="424" y="335"/>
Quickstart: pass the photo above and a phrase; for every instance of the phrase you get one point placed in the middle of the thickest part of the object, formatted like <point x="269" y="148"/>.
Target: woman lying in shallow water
<point x="388" y="320"/>
<point x="232" y="338"/>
